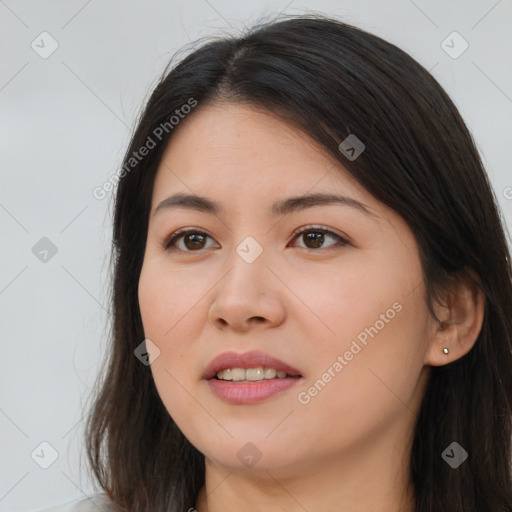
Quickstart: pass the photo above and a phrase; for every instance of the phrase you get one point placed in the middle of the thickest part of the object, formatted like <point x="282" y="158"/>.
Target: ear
<point x="461" y="316"/>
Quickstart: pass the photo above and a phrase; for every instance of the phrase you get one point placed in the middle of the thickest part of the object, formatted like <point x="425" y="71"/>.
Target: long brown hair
<point x="329" y="79"/>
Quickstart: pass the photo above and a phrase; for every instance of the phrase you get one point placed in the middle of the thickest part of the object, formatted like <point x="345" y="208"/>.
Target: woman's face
<point x="344" y="306"/>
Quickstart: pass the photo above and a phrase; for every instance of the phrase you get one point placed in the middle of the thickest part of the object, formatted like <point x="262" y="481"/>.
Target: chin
<point x="254" y="454"/>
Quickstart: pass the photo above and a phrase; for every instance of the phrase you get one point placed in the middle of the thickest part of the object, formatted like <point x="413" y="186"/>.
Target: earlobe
<point x="460" y="322"/>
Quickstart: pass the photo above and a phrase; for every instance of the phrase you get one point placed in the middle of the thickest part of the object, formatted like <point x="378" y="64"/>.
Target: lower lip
<point x="250" y="392"/>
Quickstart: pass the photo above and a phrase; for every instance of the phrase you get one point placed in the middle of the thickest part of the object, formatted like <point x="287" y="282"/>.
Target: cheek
<point x="167" y="300"/>
<point x="374" y="316"/>
<point x="153" y="299"/>
<point x="343" y="302"/>
<point x="173" y="307"/>
<point x="161" y="311"/>
<point x="167" y="313"/>
<point x="374" y="385"/>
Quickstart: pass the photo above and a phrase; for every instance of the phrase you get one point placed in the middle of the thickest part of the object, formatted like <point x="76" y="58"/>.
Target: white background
<point x="65" y="122"/>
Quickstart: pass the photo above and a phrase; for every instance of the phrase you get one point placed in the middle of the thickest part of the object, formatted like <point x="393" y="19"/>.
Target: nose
<point x="248" y="296"/>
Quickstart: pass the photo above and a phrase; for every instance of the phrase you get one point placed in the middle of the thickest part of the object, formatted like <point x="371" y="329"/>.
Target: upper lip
<point x="252" y="359"/>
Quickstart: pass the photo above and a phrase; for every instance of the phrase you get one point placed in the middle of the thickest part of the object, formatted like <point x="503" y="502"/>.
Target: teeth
<point x="255" y="373"/>
<point x="270" y="373"/>
<point x="250" y="374"/>
<point x="238" y="374"/>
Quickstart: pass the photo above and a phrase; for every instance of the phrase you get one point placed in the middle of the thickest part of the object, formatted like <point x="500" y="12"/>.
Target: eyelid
<point x="167" y="243"/>
<point x="322" y="229"/>
<point x="318" y="227"/>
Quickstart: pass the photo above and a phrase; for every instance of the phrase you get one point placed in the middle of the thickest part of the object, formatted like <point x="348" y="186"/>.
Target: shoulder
<point x="96" y="503"/>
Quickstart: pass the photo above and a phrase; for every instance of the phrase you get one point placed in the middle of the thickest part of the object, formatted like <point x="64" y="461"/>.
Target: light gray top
<point x="96" y="503"/>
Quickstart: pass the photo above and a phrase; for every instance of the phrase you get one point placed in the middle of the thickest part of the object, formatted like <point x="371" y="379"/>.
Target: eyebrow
<point x="292" y="204"/>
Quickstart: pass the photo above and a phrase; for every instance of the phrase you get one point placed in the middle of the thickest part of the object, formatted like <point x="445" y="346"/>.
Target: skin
<point x="304" y="303"/>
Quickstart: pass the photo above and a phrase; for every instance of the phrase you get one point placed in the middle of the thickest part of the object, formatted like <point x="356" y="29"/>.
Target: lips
<point x="246" y="360"/>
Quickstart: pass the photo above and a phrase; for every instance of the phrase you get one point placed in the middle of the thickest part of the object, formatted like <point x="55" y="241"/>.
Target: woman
<point x="312" y="289"/>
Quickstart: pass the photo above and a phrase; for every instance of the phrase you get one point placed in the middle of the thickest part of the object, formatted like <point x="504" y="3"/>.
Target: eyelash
<point x="180" y="233"/>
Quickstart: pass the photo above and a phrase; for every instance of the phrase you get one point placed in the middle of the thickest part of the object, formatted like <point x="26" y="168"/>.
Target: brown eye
<point x="315" y="237"/>
<point x="192" y="240"/>
<point x="195" y="240"/>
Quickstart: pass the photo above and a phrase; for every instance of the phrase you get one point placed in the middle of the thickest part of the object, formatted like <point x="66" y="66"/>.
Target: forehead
<point x="225" y="148"/>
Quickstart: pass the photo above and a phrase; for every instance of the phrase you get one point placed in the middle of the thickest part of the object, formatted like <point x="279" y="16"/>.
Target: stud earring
<point x="446" y="350"/>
